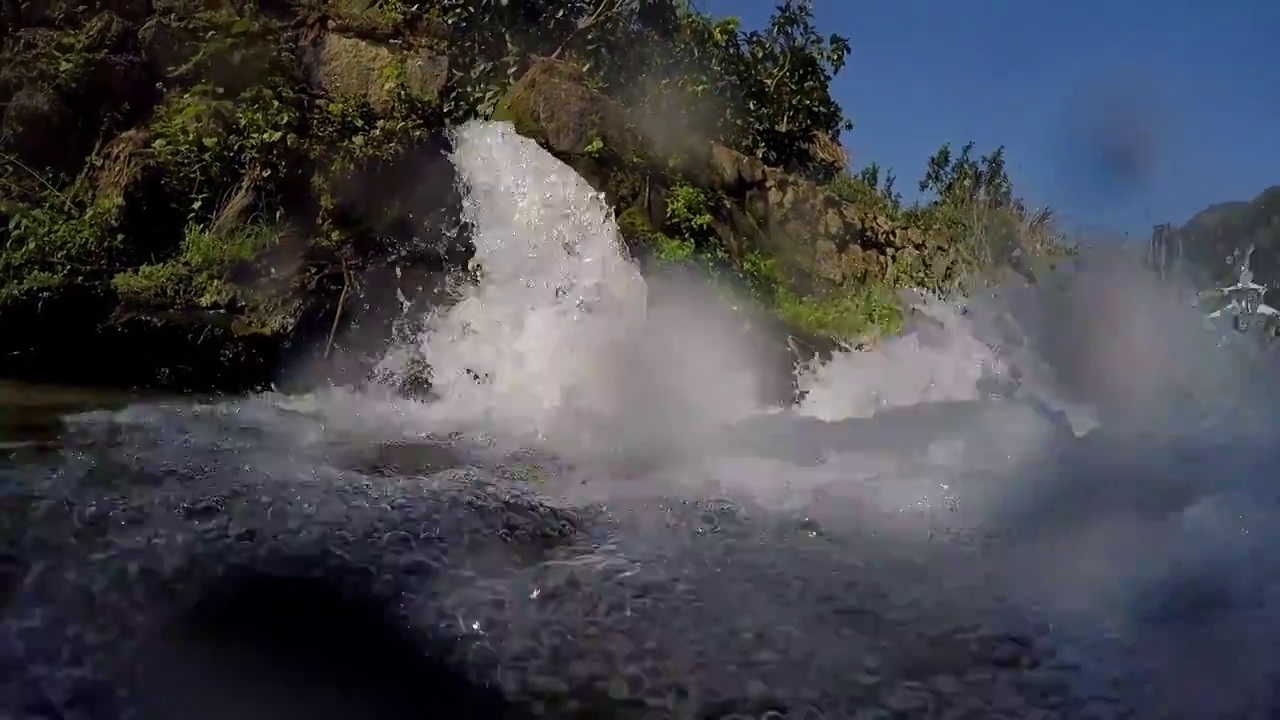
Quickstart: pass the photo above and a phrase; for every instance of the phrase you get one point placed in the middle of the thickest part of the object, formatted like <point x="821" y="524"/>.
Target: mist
<point x="1032" y="441"/>
<point x="1048" y="497"/>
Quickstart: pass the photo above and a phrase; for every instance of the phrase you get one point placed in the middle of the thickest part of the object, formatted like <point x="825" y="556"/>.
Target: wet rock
<point x="1006" y="651"/>
<point x="571" y="611"/>
<point x="866" y="678"/>
<point x="205" y="508"/>
<point x="167" y="46"/>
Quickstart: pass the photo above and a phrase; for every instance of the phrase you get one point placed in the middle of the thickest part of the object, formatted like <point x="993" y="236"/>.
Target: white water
<point x="562" y="346"/>
<point x="915" y="490"/>
<point x="556" y="304"/>
<point x="576" y="356"/>
<point x="559" y="345"/>
<point x="645" y="388"/>
<point x="563" y="329"/>
<point x="948" y="364"/>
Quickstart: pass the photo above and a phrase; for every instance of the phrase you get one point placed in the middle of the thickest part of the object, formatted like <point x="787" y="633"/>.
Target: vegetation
<point x="202" y="163"/>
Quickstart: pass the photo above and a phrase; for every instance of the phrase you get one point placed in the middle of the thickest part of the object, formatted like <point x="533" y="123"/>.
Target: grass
<point x="198" y="276"/>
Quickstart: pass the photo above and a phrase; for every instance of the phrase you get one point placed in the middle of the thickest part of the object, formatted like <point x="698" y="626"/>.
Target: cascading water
<point x="559" y="344"/>
<point x="624" y="528"/>
<point x="557" y="301"/>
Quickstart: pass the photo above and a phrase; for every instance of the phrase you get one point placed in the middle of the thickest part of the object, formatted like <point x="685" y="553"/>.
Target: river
<point x="1061" y="511"/>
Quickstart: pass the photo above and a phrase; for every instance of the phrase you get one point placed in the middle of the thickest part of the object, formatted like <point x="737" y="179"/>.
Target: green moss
<point x="674" y="250"/>
<point x="72" y="59"/>
<point x="512" y="109"/>
<point x="349" y="136"/>
<point x="380" y="16"/>
<point x="850" y="316"/>
<point x="198" y="276"/>
<point x="635" y="227"/>
<point x="58" y="60"/>
<point x="35" y="283"/>
<point x="228" y="139"/>
<point x="691" y="213"/>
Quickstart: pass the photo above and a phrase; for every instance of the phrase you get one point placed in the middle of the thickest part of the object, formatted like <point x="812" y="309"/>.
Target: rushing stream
<point x="1054" y="503"/>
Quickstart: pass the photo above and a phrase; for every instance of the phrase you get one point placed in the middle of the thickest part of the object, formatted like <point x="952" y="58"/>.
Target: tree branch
<point x="596" y="16"/>
<point x="337" y="313"/>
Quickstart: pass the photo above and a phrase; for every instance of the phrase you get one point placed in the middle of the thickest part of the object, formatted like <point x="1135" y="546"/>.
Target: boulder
<point x="343" y="66"/>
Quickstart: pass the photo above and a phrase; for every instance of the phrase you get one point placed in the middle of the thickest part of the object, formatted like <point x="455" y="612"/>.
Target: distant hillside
<point x="1208" y="240"/>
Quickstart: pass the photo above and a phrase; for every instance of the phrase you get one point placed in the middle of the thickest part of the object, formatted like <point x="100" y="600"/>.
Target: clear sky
<point x="1119" y="113"/>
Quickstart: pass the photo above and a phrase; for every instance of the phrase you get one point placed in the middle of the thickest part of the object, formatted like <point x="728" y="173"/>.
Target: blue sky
<point x="1194" y="86"/>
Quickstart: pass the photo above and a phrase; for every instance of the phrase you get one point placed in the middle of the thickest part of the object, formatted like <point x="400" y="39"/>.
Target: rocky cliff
<point x="189" y="192"/>
<point x="801" y="248"/>
<point x="197" y="195"/>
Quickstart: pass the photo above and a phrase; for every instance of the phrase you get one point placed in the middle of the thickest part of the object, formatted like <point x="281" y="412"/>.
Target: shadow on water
<point x="31" y="419"/>
<point x="32" y="415"/>
<point x="252" y="648"/>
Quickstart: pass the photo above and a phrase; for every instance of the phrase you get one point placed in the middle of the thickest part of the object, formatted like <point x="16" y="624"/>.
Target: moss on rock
<point x="826" y="258"/>
<point x="553" y="105"/>
<point x="349" y="67"/>
<point x="202" y="274"/>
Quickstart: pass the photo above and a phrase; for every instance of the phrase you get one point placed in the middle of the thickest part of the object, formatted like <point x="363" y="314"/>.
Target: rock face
<point x="191" y="194"/>
<point x="819" y="241"/>
<point x="197" y="196"/>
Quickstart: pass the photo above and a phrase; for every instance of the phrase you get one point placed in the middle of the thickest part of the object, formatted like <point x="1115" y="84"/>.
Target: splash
<point x="944" y="361"/>
<point x="563" y="343"/>
<point x="560" y="344"/>
<point x="556" y="296"/>
<point x="1078" y="447"/>
<point x="574" y="353"/>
